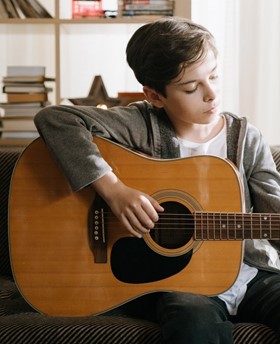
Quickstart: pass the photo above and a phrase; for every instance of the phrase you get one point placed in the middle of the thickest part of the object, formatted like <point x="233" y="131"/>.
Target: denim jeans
<point x="183" y="317"/>
<point x="186" y="318"/>
<point x="262" y="301"/>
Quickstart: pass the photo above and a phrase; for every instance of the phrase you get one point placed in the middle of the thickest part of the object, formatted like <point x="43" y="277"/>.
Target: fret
<point x="231" y="232"/>
<point x="214" y="226"/>
<point x="220" y="226"/>
<point x="227" y="228"/>
<point x="247" y="220"/>
<point x="197" y="226"/>
<point x="252" y="228"/>
<point x="207" y="226"/>
<point x="262" y="226"/>
<point x="265" y="227"/>
<point x="224" y="227"/>
<point x="235" y="226"/>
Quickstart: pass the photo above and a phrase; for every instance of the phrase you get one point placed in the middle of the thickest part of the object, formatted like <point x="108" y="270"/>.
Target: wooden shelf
<point x="16" y="21"/>
<point x="15" y="142"/>
<point x="58" y="24"/>
<point x="117" y="20"/>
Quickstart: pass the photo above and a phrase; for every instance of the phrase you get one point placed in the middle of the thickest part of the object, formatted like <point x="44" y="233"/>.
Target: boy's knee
<point x="198" y="309"/>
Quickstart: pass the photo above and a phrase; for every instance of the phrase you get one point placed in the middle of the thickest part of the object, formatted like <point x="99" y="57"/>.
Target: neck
<point x="201" y="133"/>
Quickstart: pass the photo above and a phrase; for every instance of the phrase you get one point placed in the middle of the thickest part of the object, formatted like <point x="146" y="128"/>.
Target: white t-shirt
<point x="217" y="146"/>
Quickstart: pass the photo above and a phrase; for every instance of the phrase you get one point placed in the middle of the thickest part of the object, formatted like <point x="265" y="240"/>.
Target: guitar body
<point x="71" y="257"/>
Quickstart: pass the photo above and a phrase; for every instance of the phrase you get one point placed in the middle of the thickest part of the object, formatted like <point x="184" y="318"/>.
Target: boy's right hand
<point x="136" y="210"/>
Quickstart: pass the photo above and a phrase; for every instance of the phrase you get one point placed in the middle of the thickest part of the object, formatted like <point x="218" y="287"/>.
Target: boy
<point x="176" y="62"/>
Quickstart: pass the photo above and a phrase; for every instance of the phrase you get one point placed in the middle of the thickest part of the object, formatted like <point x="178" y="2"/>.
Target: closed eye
<point x="192" y="91"/>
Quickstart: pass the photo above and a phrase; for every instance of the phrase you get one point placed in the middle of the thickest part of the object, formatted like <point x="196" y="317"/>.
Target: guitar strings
<point x="214" y="225"/>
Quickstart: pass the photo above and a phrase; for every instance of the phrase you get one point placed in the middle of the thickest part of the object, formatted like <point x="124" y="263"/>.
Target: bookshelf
<point x="72" y="49"/>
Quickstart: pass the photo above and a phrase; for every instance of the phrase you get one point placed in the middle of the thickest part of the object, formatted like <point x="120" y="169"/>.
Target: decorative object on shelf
<point x="23" y="9"/>
<point x="98" y="96"/>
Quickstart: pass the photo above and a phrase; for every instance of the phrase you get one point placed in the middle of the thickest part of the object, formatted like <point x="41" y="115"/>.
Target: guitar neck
<point x="236" y="226"/>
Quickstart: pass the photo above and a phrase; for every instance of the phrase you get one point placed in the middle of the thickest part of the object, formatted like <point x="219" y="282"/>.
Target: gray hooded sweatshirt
<point x="68" y="132"/>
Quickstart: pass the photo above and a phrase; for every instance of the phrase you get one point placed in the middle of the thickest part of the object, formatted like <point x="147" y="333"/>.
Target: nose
<point x="210" y="92"/>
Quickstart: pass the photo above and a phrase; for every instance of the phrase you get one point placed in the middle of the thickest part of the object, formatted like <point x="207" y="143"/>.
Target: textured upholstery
<point x="21" y="324"/>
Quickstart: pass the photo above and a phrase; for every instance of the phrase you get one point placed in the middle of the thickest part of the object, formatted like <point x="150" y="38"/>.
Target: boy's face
<point x="193" y="98"/>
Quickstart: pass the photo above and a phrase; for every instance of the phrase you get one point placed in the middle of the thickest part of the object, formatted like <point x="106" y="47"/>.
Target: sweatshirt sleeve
<point x="263" y="177"/>
<point x="68" y="132"/>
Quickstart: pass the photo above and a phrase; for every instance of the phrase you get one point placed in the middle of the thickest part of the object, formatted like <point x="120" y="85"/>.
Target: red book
<point x="82" y="9"/>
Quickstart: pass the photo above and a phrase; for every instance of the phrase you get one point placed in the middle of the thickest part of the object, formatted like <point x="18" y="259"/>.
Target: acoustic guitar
<point x="71" y="257"/>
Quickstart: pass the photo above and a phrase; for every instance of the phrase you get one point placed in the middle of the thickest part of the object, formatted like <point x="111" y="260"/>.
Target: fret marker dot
<point x="238" y="226"/>
<point x="265" y="218"/>
<point x="265" y="235"/>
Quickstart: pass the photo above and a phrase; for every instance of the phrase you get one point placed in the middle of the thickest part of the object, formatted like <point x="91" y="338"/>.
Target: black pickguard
<point x="132" y="261"/>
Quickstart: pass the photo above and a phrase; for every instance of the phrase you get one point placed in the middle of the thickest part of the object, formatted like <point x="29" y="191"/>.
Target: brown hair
<point x="158" y="51"/>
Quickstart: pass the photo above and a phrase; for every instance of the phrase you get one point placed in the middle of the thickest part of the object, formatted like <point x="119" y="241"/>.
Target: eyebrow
<point x="192" y="81"/>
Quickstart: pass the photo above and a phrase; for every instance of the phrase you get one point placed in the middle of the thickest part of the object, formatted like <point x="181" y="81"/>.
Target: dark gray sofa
<point x="19" y="323"/>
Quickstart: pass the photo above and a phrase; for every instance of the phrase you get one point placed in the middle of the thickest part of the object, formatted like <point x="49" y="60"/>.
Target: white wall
<point x="88" y="50"/>
<point x="248" y="37"/>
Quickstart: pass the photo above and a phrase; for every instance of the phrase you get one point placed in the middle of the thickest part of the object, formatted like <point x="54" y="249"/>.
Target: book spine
<point x="147" y="7"/>
<point x="39" y="9"/>
<point x="127" y="13"/>
<point x="87" y="9"/>
<point x="32" y="9"/>
<point x="28" y="97"/>
<point x="3" y="11"/>
<point x="10" y="9"/>
<point x="26" y="71"/>
<point x="20" y="14"/>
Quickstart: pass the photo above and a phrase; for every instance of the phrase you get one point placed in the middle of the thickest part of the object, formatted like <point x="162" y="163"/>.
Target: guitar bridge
<point x="97" y="230"/>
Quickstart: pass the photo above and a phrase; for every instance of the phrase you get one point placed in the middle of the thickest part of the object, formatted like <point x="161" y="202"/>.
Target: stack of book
<point x="146" y="7"/>
<point x="26" y="94"/>
<point x="22" y="9"/>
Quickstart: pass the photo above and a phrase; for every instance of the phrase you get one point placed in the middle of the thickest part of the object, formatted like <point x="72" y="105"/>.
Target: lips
<point x="213" y="109"/>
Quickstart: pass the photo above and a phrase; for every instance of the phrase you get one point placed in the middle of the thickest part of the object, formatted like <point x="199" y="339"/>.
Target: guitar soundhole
<point x="175" y="226"/>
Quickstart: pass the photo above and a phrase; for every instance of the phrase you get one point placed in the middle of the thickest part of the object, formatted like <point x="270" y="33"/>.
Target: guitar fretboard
<point x="236" y="226"/>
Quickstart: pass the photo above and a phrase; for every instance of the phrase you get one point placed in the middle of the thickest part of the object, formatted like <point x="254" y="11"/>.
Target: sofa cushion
<point x="276" y="156"/>
<point x="8" y="157"/>
<point x="20" y="323"/>
<point x="248" y="333"/>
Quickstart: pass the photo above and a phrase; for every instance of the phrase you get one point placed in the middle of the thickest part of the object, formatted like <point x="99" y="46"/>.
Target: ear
<point x="153" y="97"/>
